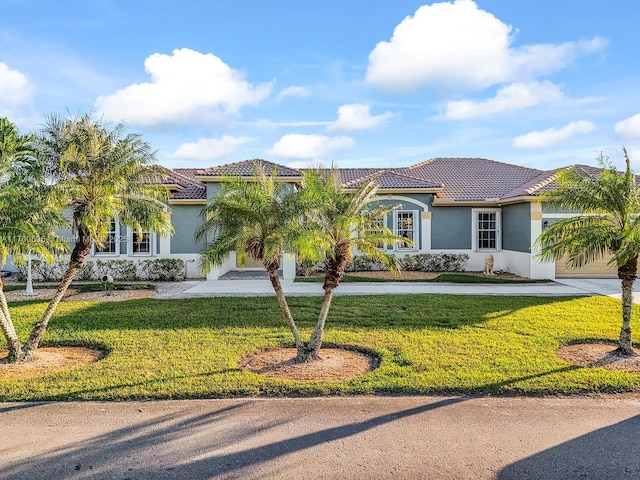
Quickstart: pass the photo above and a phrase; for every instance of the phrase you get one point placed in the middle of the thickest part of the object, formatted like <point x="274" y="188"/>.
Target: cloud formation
<point x="458" y="44"/>
<point x="629" y="127"/>
<point x="185" y="86"/>
<point x="357" y="116"/>
<point x="210" y="148"/>
<point x="309" y="147"/>
<point x="292" y="92"/>
<point x="516" y="96"/>
<point x="14" y="86"/>
<point x="552" y="136"/>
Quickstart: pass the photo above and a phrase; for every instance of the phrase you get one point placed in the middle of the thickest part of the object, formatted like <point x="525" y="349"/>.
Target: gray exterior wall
<point x="516" y="227"/>
<point x="185" y="220"/>
<point x="405" y="205"/>
<point x="451" y="228"/>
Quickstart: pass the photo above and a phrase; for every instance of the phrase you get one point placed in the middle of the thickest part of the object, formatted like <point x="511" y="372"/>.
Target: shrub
<point x="364" y="263"/>
<point x="163" y="269"/>
<point x="435" y="262"/>
<point x="120" y="270"/>
<point x="42" y="271"/>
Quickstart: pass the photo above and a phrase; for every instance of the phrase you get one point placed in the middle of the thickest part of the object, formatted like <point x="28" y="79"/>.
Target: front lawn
<point x="426" y="343"/>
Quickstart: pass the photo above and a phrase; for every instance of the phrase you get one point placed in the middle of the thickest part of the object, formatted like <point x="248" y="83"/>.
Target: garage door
<point x="595" y="269"/>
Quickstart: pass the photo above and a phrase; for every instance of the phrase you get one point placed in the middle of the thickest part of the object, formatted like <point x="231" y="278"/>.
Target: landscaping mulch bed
<point x="48" y="360"/>
<point x="603" y="355"/>
<point x="334" y="364"/>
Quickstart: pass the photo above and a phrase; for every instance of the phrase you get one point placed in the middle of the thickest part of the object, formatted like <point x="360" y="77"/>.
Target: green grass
<point x="426" y="343"/>
<point x="443" y="277"/>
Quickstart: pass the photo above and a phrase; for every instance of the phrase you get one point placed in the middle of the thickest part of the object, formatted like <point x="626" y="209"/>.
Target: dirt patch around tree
<point x="601" y="355"/>
<point x="48" y="360"/>
<point x="334" y="364"/>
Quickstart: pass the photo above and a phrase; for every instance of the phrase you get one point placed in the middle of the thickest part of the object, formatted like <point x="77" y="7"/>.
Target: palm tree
<point x="98" y="174"/>
<point x="609" y="223"/>
<point x="27" y="217"/>
<point x="260" y="219"/>
<point x="343" y="222"/>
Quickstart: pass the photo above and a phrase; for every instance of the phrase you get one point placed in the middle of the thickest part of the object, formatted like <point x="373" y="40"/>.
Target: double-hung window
<point x="486" y="229"/>
<point x="111" y="242"/>
<point x="141" y="244"/>
<point x="405" y="226"/>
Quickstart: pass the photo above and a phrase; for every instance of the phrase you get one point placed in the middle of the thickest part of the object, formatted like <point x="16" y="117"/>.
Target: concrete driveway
<point x="610" y="287"/>
<point x="325" y="438"/>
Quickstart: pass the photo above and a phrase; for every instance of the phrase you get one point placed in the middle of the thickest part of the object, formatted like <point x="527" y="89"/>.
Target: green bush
<point x="435" y="262"/>
<point x="364" y="263"/>
<point x="163" y="269"/>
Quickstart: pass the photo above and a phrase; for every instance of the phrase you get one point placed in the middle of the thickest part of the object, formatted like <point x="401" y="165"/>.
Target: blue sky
<point x="362" y="83"/>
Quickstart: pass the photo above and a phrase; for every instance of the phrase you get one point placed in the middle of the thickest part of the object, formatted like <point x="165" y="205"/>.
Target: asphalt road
<point x="324" y="438"/>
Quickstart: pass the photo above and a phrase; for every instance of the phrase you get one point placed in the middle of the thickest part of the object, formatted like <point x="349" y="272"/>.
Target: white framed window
<point x="141" y="244"/>
<point x="405" y="225"/>
<point x="486" y="229"/>
<point x="112" y="241"/>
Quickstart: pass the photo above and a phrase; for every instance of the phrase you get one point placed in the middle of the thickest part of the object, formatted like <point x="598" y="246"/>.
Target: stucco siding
<point x="185" y="220"/>
<point x="516" y="227"/>
<point x="451" y="228"/>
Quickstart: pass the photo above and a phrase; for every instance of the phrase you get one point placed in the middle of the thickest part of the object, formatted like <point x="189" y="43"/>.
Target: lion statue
<point x="488" y="265"/>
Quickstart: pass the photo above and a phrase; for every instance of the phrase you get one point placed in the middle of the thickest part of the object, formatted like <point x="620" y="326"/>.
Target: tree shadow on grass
<point x="366" y="312"/>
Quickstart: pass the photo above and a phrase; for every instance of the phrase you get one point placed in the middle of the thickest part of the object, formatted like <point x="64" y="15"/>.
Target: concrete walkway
<point x="221" y="288"/>
<point x="344" y="438"/>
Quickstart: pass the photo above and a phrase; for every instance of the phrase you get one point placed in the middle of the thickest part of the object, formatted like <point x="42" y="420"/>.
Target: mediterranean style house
<point x="454" y="205"/>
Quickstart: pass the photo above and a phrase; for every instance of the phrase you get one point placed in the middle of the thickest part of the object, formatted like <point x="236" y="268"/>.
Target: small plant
<point x="163" y="269"/>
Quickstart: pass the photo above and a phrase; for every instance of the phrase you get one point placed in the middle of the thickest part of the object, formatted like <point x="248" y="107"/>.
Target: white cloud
<point x="292" y="92"/>
<point x="185" y="85"/>
<point x="357" y="116"/>
<point x="210" y="148"/>
<point x="14" y="87"/>
<point x="629" y="127"/>
<point x="309" y="147"/>
<point x="551" y="136"/>
<point x="513" y="97"/>
<point x="459" y="44"/>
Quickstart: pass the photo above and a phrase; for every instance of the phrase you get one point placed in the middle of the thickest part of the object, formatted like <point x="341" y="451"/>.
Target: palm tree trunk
<point x="284" y="307"/>
<point x="78" y="255"/>
<point x="316" y="338"/>
<point x="14" y="345"/>
<point x="627" y="273"/>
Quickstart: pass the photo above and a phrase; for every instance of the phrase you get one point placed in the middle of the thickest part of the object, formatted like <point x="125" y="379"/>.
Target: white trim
<point x="474" y="229"/>
<point x="406" y="199"/>
<point x="153" y="240"/>
<point x="414" y="221"/>
<point x="117" y="241"/>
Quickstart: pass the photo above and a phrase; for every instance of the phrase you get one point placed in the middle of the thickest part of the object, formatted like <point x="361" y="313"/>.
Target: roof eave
<point x="220" y="178"/>
<point x="493" y="202"/>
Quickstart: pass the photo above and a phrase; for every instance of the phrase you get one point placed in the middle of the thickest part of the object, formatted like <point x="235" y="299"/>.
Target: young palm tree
<point x="98" y="174"/>
<point x="259" y="219"/>
<point x="609" y="223"/>
<point x="343" y="222"/>
<point x="27" y="219"/>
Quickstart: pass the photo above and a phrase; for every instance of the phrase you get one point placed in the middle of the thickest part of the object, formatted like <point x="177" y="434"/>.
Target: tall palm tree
<point x="27" y="217"/>
<point x="257" y="218"/>
<point x="609" y="223"/>
<point x="343" y="222"/>
<point x="98" y="174"/>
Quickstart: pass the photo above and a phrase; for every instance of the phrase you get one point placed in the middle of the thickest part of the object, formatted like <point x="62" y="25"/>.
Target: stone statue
<point x="488" y="265"/>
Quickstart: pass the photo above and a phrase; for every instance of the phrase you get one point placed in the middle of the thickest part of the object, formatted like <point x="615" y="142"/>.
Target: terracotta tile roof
<point x="246" y="168"/>
<point x="388" y="179"/>
<point x="472" y="179"/>
<point x="191" y="189"/>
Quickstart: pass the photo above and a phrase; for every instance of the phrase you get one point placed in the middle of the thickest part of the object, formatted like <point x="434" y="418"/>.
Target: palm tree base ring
<point x="332" y="364"/>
